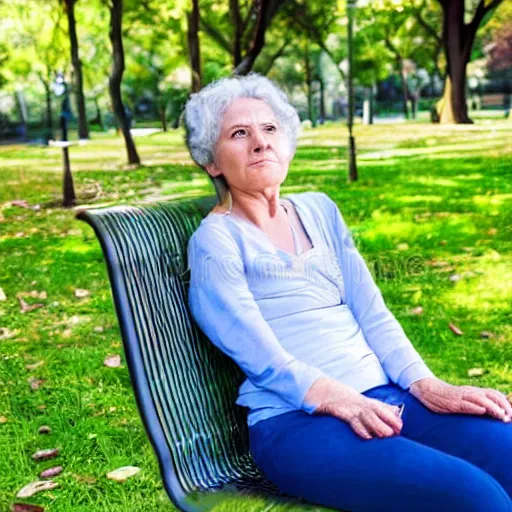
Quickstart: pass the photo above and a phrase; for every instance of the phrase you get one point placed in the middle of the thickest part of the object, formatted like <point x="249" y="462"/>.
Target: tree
<point x="116" y="76"/>
<point x="4" y="57"/>
<point x="246" y="29"/>
<point x="35" y="41"/>
<point x="458" y="38"/>
<point x="194" y="47"/>
<point x="83" y="130"/>
<point x="397" y="27"/>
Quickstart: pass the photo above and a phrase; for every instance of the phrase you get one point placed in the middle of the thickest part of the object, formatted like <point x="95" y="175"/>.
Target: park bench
<point x="185" y="388"/>
<point x="493" y="101"/>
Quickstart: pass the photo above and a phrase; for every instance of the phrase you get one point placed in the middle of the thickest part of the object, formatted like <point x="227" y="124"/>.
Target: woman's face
<point x="252" y="150"/>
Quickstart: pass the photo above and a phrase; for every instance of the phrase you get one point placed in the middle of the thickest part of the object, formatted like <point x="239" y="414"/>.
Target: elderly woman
<point x="278" y="285"/>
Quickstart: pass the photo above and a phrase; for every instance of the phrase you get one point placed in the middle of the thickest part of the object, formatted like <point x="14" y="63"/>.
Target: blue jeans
<point x="438" y="463"/>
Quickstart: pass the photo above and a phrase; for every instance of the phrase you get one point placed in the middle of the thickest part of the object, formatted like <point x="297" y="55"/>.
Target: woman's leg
<point x="321" y="459"/>
<point x="484" y="441"/>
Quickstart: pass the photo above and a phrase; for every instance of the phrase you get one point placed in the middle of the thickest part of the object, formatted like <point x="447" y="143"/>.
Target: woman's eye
<point x="238" y="131"/>
<point x="271" y="127"/>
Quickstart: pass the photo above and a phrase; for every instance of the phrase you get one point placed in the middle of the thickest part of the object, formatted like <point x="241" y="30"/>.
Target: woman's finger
<point x="472" y="408"/>
<point x="481" y="399"/>
<point x="381" y="428"/>
<point x="360" y="429"/>
<point x="499" y="398"/>
<point x="390" y="418"/>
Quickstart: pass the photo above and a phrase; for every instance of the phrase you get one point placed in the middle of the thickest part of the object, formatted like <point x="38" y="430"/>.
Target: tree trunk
<point x="49" y="117"/>
<point x="274" y="58"/>
<point x="368" y="106"/>
<point x="116" y="75"/>
<point x="457" y="40"/>
<point x="163" y="118"/>
<point x="234" y="11"/>
<point x="21" y="105"/>
<point x="309" y="85"/>
<point x="405" y="92"/>
<point x="266" y="11"/>
<point x="322" y="100"/>
<point x="83" y="130"/>
<point x="99" y="119"/>
<point x="194" y="50"/>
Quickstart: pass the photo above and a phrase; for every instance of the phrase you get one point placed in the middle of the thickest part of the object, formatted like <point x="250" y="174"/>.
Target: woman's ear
<point x="212" y="170"/>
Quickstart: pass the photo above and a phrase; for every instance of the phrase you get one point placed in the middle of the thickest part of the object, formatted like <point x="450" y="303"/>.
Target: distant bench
<point x="494" y="101"/>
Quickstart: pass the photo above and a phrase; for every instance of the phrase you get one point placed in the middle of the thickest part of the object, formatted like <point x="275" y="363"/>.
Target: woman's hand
<point x="367" y="417"/>
<point x="441" y="397"/>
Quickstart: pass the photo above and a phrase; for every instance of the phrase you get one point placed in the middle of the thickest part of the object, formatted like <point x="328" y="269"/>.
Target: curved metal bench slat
<point x="185" y="388"/>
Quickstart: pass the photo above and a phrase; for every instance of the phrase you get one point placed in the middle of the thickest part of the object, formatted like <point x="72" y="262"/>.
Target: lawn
<point x="431" y="213"/>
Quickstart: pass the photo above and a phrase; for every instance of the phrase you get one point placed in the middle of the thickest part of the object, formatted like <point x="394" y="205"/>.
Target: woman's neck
<point x="261" y="210"/>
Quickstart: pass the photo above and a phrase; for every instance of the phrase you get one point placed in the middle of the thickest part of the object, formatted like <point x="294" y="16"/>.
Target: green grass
<point x="426" y="193"/>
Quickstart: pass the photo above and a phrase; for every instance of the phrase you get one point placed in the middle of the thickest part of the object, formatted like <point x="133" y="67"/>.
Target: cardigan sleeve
<point x="381" y="329"/>
<point x="225" y="309"/>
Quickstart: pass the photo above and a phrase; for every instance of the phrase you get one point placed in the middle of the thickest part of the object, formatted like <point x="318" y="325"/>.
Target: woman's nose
<point x="260" y="141"/>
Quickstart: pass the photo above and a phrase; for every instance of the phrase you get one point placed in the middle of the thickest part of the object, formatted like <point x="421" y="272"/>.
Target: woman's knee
<point x="477" y="491"/>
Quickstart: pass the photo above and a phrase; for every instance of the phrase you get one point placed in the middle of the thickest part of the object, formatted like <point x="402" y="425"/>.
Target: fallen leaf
<point x="33" y="366"/>
<point x="439" y="263"/>
<point x="455" y="277"/>
<point x="455" y="329"/>
<point x="26" y="507"/>
<point x="509" y="397"/>
<point x="122" y="474"/>
<point x="492" y="231"/>
<point x="35" y="383"/>
<point x="80" y="293"/>
<point x="34" y="294"/>
<point x="112" y="361"/>
<point x="3" y="420"/>
<point x="2" y="295"/>
<point x="416" y="311"/>
<point x="445" y="270"/>
<point x="26" y="307"/>
<point x="476" y="372"/>
<point x="98" y="329"/>
<point x="22" y="203"/>
<point x="51" y="472"/>
<point x="35" y="487"/>
<point x="45" y="429"/>
<point x="6" y="333"/>
<point x="46" y="454"/>
<point x="443" y="242"/>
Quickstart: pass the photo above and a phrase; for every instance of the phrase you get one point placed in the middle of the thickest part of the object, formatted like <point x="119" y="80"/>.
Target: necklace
<point x="295" y="239"/>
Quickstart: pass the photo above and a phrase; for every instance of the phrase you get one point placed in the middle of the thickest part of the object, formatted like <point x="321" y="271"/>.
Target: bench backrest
<point x="185" y="387"/>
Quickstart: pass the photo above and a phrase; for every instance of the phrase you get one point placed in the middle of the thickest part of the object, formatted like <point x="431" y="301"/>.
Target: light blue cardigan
<point x="287" y="320"/>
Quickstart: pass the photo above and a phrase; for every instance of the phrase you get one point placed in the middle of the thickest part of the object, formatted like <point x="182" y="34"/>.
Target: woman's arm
<point x="382" y="331"/>
<point x="226" y="311"/>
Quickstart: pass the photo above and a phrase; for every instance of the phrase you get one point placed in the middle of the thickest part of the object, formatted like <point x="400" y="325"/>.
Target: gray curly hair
<point x="204" y="109"/>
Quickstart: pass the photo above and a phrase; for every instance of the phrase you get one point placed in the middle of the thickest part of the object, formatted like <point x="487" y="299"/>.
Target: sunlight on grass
<point x="432" y="180"/>
<point x="485" y="292"/>
<point x="430" y="214"/>
<point x="494" y="199"/>
<point x="420" y="199"/>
